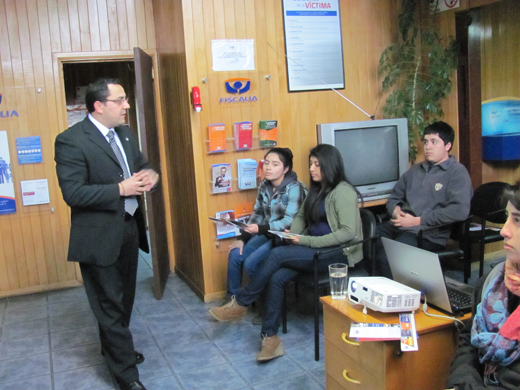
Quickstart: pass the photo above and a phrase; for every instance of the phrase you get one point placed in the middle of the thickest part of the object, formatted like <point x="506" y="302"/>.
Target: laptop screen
<point x="418" y="269"/>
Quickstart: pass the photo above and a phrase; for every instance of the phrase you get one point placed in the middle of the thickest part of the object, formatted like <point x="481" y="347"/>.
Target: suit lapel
<point x="95" y="136"/>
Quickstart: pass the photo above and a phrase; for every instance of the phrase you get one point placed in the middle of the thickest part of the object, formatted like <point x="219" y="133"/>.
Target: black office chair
<point x="487" y="205"/>
<point x="459" y="234"/>
<point x="320" y="281"/>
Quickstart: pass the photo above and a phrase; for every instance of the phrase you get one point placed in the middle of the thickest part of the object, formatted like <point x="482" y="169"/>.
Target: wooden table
<point x="381" y="365"/>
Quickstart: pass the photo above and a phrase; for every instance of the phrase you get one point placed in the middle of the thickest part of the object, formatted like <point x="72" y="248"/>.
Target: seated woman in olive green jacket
<point x="329" y="217"/>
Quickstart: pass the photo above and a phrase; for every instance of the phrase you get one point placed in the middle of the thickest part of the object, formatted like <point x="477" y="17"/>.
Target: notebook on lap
<point x="421" y="270"/>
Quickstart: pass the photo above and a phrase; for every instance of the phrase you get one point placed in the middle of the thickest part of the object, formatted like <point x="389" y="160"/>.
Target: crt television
<point x="375" y="153"/>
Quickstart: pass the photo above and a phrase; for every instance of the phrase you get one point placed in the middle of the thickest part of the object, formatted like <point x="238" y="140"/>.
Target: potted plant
<point x="418" y="69"/>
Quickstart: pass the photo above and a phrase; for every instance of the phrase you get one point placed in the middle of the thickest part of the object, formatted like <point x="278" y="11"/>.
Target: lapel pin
<point x="126" y="139"/>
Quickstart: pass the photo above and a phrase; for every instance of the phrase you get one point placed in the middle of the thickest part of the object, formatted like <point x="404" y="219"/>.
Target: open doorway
<point x="136" y="77"/>
<point x="77" y="76"/>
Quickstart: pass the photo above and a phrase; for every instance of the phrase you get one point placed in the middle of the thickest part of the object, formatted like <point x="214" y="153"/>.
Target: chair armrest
<point x="497" y="216"/>
<point x="453" y="225"/>
<point x="382" y="217"/>
<point x="340" y="248"/>
<point x="427" y="229"/>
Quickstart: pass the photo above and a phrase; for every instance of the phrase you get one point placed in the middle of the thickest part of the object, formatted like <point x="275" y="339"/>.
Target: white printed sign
<point x="233" y="54"/>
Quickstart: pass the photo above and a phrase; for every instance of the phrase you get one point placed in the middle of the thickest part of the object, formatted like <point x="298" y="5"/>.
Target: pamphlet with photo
<point x="221" y="174"/>
<point x="225" y="229"/>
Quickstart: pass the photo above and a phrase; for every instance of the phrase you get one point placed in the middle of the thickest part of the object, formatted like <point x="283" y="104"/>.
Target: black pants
<point x="111" y="291"/>
<point x="388" y="230"/>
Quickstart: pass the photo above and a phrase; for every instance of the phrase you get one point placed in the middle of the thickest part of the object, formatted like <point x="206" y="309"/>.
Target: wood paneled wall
<point x="367" y="28"/>
<point x="33" y="34"/>
<point x="500" y="69"/>
<point x="446" y="23"/>
<point x="36" y="34"/>
<point x="178" y="142"/>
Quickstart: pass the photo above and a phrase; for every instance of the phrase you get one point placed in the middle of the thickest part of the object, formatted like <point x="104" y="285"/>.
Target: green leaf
<point x="417" y="71"/>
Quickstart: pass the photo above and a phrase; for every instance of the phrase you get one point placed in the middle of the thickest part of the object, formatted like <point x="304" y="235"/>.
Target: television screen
<point x="375" y="153"/>
<point x="369" y="154"/>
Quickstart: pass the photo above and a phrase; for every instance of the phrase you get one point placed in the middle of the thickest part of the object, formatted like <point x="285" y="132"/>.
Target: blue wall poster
<point x="501" y="129"/>
<point x="7" y="200"/>
<point x="29" y="150"/>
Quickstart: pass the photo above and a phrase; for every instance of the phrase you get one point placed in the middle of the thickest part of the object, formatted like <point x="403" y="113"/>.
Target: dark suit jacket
<point x="88" y="174"/>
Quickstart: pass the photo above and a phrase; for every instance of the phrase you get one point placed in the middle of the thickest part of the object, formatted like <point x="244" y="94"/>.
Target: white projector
<point x="382" y="294"/>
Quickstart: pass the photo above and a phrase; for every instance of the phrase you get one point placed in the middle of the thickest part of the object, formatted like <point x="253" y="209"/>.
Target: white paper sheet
<point x="233" y="54"/>
<point x="35" y="192"/>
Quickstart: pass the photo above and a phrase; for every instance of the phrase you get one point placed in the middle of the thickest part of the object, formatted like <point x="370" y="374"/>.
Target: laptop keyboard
<point x="459" y="299"/>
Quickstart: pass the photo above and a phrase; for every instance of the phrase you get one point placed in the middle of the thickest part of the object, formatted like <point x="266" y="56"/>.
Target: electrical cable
<point x="325" y="84"/>
<point x="378" y="101"/>
<point x="425" y="308"/>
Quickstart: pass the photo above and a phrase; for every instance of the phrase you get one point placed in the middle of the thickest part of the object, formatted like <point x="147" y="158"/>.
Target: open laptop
<point x="421" y="270"/>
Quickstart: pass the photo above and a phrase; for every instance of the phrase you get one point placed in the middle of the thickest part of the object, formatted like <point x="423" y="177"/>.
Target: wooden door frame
<point x="123" y="55"/>
<point x="150" y="146"/>
<point x="469" y="94"/>
<point x="469" y="88"/>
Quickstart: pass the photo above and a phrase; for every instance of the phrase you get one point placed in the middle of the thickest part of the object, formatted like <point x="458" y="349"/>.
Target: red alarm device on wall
<point x="195" y="99"/>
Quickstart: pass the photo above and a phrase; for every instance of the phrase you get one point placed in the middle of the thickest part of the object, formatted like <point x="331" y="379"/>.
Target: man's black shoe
<point x="139" y="357"/>
<point x="135" y="385"/>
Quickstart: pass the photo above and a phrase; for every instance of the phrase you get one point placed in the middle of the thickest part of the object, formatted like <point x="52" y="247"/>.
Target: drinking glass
<point x="338" y="280"/>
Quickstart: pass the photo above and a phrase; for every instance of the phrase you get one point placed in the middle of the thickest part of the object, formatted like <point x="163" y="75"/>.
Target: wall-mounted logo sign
<point x="238" y="86"/>
<point x="7" y="113"/>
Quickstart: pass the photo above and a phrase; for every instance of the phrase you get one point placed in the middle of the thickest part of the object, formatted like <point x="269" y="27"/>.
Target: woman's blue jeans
<point x="281" y="266"/>
<point x="252" y="254"/>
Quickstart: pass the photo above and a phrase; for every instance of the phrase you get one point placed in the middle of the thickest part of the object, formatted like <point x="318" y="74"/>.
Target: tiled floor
<point x="50" y="341"/>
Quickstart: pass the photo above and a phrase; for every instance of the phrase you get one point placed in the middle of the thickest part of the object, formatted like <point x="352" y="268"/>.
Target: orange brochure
<point x="217" y="137"/>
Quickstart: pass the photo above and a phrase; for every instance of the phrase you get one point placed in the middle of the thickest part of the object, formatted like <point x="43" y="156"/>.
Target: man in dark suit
<point x="102" y="174"/>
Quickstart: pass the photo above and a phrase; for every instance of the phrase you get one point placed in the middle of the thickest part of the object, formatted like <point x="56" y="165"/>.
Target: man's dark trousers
<point x="111" y="292"/>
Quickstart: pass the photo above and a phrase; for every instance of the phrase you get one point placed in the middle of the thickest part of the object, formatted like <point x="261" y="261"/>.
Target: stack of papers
<point x="246" y="173"/>
<point x="404" y="331"/>
<point x="375" y="332"/>
<point x="283" y="234"/>
<point x="233" y="222"/>
<point x="243" y="134"/>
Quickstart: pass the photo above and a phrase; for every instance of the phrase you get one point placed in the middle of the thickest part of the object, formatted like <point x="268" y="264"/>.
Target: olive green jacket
<point x="341" y="207"/>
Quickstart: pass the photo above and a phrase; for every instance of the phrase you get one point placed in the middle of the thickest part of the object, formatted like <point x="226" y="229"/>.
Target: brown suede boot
<point x="232" y="311"/>
<point x="271" y="348"/>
